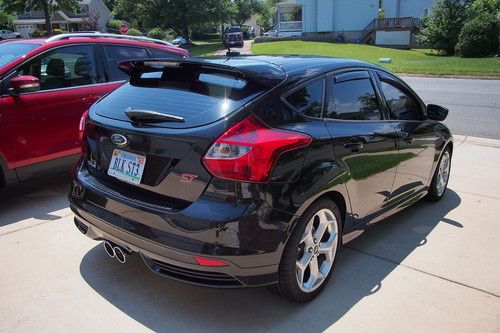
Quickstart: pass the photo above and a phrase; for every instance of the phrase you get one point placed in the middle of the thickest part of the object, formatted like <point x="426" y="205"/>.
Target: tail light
<point x="210" y="262"/>
<point x="82" y="131"/>
<point x="249" y="149"/>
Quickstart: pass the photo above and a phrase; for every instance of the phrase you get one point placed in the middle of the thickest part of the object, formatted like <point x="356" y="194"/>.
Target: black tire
<point x="18" y="36"/>
<point x="433" y="195"/>
<point x="288" y="286"/>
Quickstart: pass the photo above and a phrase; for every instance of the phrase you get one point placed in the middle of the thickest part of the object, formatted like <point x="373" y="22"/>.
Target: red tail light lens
<point x="81" y="127"/>
<point x="210" y="262"/>
<point x="249" y="149"/>
<point x="82" y="131"/>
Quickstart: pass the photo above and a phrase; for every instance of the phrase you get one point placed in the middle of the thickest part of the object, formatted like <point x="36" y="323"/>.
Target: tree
<point x="221" y="12"/>
<point x="183" y="15"/>
<point x="6" y="17"/>
<point x="479" y="35"/>
<point x="47" y="6"/>
<point x="133" y="11"/>
<point x="90" y="22"/>
<point x="266" y="13"/>
<point x="441" y="30"/>
<point x="245" y="9"/>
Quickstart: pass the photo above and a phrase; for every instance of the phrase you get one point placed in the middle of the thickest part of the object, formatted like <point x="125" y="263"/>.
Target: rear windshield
<point x="11" y="51"/>
<point x="199" y="98"/>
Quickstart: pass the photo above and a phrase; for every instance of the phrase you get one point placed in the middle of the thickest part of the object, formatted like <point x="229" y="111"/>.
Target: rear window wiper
<point x="147" y="116"/>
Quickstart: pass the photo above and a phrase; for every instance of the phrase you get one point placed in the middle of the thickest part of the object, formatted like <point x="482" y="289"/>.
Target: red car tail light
<point x="249" y="149"/>
<point x="210" y="262"/>
<point x="82" y="131"/>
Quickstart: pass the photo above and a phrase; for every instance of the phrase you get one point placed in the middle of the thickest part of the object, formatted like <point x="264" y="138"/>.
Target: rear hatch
<point x="167" y="116"/>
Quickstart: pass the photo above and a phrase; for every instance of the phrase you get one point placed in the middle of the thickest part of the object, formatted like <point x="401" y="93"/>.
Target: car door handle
<point x="354" y="146"/>
<point x="90" y="99"/>
<point x="388" y="135"/>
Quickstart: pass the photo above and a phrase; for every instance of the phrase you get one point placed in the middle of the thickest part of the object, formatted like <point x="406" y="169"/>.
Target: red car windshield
<point x="11" y="51"/>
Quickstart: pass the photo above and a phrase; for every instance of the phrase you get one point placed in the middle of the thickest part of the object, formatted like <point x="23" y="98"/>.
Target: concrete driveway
<point x="245" y="50"/>
<point x="433" y="267"/>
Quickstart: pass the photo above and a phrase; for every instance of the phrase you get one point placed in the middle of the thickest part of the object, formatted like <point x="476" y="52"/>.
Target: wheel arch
<point x="333" y="195"/>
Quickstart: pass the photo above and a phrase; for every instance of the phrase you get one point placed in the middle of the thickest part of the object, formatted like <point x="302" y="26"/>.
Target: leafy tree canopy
<point x="441" y="30"/>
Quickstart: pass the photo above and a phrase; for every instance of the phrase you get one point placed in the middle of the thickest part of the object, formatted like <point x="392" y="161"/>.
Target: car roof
<point x="100" y="40"/>
<point x="295" y="67"/>
<point x="43" y="45"/>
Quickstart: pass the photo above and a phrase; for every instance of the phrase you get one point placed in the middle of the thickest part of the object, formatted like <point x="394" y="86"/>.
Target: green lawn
<point x="403" y="61"/>
<point x="204" y="48"/>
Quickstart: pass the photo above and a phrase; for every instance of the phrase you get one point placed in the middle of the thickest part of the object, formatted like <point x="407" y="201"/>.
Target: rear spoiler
<point x="134" y="68"/>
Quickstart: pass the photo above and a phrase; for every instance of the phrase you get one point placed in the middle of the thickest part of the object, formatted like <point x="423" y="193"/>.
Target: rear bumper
<point x="251" y="244"/>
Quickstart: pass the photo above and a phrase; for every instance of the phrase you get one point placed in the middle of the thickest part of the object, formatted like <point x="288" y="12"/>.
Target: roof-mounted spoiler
<point x="138" y="67"/>
<point x="134" y="68"/>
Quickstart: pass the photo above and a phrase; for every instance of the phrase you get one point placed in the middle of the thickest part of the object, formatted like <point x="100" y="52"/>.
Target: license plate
<point x="127" y="166"/>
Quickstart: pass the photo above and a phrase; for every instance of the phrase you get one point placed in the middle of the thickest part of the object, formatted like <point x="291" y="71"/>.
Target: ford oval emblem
<point x="119" y="140"/>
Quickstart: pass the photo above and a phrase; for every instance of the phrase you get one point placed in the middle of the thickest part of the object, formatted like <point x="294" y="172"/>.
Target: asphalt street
<point x="474" y="104"/>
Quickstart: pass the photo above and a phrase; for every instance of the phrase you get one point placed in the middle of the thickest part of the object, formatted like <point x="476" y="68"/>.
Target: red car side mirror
<point x="24" y="84"/>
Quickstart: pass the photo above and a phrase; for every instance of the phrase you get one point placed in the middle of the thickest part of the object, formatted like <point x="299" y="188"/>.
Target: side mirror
<point x="436" y="112"/>
<point x="23" y="84"/>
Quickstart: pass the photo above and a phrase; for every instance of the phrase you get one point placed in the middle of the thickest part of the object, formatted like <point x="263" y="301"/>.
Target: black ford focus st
<point x="253" y="171"/>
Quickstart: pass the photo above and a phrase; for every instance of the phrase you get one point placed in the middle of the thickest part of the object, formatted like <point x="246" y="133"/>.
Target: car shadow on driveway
<point x="34" y="199"/>
<point x="164" y="305"/>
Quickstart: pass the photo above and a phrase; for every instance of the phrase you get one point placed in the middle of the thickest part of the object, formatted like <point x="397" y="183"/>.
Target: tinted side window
<point x="400" y="105"/>
<point x="308" y="99"/>
<point x="157" y="53"/>
<point x="352" y="100"/>
<point x="118" y="53"/>
<point x="64" y="67"/>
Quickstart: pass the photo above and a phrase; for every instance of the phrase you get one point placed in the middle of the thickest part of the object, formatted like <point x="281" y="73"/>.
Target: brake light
<point x="249" y="149"/>
<point x="82" y="131"/>
<point x="210" y="262"/>
<point x="81" y="127"/>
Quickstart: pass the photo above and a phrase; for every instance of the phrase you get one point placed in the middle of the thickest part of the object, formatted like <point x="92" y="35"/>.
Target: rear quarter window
<point x="308" y="99"/>
<point x="118" y="53"/>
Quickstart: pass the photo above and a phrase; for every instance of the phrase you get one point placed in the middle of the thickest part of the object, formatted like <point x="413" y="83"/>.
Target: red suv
<point x="47" y="84"/>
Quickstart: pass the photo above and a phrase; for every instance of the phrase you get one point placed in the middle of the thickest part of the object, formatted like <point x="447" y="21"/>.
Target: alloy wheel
<point x="443" y="173"/>
<point x="317" y="249"/>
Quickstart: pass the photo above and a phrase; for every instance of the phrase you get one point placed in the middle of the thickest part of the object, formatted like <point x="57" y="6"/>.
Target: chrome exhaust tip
<point x="120" y="254"/>
<point x="108" y="247"/>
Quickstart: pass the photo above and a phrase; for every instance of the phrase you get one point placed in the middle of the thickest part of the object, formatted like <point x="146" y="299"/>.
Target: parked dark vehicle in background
<point x="233" y="36"/>
<point x="253" y="171"/>
<point x="47" y="84"/>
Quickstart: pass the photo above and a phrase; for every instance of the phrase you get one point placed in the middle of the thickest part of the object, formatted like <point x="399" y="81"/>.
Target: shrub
<point x="205" y="36"/>
<point x="134" y="32"/>
<point x="157" y="33"/>
<point x="441" y="30"/>
<point x="114" y="25"/>
<point x="39" y="33"/>
<point x="479" y="37"/>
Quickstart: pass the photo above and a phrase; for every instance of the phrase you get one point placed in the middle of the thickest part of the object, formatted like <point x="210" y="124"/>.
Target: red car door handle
<point x="90" y="99"/>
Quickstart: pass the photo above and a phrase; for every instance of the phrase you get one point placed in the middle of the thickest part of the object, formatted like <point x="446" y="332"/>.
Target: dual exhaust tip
<point x="115" y="251"/>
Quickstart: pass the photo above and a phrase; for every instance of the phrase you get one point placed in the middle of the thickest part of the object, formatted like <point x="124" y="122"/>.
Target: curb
<point x="461" y="139"/>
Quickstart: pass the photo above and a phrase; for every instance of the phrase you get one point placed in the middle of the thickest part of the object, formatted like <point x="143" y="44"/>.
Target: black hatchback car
<point x="252" y="171"/>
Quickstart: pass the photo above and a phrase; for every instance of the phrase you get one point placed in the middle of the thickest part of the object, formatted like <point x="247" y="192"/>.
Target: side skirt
<point x="48" y="168"/>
